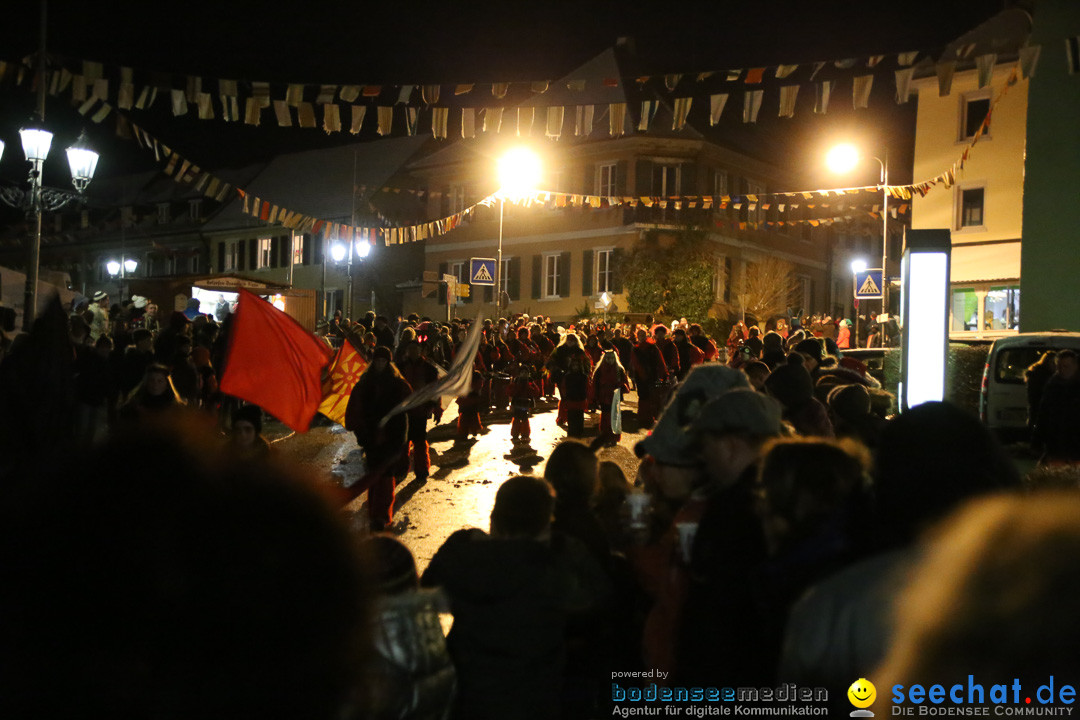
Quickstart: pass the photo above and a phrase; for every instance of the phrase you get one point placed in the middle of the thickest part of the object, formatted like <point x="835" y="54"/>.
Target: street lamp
<point x="120" y="269"/>
<point x="519" y="173"/>
<point x="857" y="266"/>
<point x="842" y="159"/>
<point x="36" y="141"/>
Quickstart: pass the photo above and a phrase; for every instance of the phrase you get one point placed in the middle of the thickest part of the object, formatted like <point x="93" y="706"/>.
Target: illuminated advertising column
<point x="924" y="316"/>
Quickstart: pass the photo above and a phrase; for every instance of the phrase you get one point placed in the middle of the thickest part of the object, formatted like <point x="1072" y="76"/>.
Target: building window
<point x="266" y="253"/>
<point x="232" y="255"/>
<point x="720" y="183"/>
<point x="193" y="264"/>
<point x="970" y="210"/>
<point x="550" y="280"/>
<point x="965" y="310"/>
<point x="297" y="249"/>
<point x="504" y="277"/>
<point x="163" y="213"/>
<point x="1002" y="308"/>
<point x="195" y="209"/>
<point x="666" y="180"/>
<point x="457" y="269"/>
<point x="805" y="292"/>
<point x="756" y="215"/>
<point x="605" y="179"/>
<point x="559" y="181"/>
<point x="603" y="267"/>
<point x="722" y="280"/>
<point x="455" y="199"/>
<point x="974" y="112"/>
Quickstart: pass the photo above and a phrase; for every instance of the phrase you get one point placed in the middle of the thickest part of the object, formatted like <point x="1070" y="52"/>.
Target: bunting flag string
<point x="117" y="85"/>
<point x="183" y="170"/>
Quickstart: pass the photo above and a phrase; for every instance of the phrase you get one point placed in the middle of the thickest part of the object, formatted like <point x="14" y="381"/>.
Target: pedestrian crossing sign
<point x="482" y="271"/>
<point x="868" y="284"/>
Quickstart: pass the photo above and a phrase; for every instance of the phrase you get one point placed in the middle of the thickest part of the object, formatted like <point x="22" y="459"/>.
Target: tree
<point x="670" y="273"/>
<point x="769" y="288"/>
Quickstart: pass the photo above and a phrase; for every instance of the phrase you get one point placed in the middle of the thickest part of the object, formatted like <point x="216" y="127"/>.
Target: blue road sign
<point x="868" y="284"/>
<point x="482" y="271"/>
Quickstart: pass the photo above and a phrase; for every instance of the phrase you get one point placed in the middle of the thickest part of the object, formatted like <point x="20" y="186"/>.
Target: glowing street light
<point x="842" y="159"/>
<point x="338" y="252"/>
<point x="519" y="174"/>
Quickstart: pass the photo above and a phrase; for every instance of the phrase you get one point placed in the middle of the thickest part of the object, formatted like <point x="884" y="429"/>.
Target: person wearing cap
<point x="99" y="315"/>
<point x="676" y="480"/>
<point x="668" y="350"/>
<point x="714" y="632"/>
<point x="380" y="388"/>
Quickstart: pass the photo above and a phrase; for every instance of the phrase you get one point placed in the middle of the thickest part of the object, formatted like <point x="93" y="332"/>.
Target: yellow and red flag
<point x="344" y="372"/>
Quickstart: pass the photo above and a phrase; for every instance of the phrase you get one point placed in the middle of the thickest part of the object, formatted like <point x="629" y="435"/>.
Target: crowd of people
<point x="782" y="526"/>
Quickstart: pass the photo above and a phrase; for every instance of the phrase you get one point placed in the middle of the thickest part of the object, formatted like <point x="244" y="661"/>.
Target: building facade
<point x="984" y="208"/>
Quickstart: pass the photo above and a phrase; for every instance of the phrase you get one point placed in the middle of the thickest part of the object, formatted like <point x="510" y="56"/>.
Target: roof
<point x="320" y="182"/>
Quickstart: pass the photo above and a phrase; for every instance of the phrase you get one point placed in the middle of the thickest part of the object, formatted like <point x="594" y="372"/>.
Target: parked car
<point x="1003" y="404"/>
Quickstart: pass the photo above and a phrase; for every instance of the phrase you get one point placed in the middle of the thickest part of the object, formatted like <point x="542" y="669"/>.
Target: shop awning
<point x="984" y="262"/>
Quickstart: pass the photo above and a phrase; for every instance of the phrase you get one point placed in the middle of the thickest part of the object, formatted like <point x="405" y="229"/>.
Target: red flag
<point x="274" y="362"/>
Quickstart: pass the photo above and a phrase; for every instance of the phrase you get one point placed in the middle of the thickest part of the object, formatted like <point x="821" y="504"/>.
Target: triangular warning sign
<point x="482" y="275"/>
<point x="869" y="287"/>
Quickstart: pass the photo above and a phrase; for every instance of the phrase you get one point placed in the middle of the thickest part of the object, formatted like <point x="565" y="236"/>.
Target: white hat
<point x="139" y="301"/>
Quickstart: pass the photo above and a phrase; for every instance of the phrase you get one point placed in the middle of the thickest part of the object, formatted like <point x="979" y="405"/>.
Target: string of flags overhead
<point x="486" y="108"/>
<point x="183" y="170"/>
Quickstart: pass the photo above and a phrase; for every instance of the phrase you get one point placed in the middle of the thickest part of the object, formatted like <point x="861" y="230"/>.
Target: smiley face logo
<point x="862" y="693"/>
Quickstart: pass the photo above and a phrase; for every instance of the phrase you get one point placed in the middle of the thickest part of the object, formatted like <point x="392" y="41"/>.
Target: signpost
<point x="868" y="284"/>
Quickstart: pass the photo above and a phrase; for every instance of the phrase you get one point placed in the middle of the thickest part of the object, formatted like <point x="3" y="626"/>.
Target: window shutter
<point x="643" y="182"/>
<point x="442" y="288"/>
<point x="275" y="251"/>
<point x="317" y="251"/>
<point x="305" y="251"/>
<point x="513" y="287"/>
<point x="564" y="275"/>
<point x="221" y="256"/>
<point x="241" y="254"/>
<point x="537" y="260"/>
<point x="588" y="187"/>
<point x="688" y="179"/>
<point x="586" y="272"/>
<point x="618" y="257"/>
<point x="621" y="168"/>
<point x="285" y="250"/>
<point x="253" y="253"/>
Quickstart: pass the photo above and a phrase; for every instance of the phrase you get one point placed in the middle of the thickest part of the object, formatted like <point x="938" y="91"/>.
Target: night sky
<point x="465" y="41"/>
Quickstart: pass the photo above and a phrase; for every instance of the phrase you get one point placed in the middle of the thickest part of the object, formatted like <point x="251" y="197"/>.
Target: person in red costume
<point x="379" y="389"/>
<point x="608" y="377"/>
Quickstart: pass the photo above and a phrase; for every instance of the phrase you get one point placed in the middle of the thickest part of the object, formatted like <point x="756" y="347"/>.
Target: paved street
<point x="464" y="477"/>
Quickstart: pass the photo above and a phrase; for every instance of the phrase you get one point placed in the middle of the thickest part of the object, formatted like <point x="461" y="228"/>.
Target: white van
<point x="1003" y="404"/>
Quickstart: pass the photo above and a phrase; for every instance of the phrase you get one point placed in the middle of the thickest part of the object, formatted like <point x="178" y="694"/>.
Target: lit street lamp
<point x="120" y="269"/>
<point x="339" y="252"/>
<point x="842" y="159"/>
<point x="36" y="142"/>
<point x="519" y="173"/>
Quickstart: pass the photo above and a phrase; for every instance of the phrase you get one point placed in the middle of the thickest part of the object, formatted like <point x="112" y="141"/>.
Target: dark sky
<point x="461" y="41"/>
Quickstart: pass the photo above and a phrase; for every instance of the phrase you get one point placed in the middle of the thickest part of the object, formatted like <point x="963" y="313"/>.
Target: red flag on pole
<point x="274" y="362"/>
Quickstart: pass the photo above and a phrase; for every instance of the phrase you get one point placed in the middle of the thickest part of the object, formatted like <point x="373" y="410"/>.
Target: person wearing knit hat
<point x="246" y="437"/>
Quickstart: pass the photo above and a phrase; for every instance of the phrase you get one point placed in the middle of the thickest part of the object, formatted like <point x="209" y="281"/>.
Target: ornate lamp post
<point x="36" y="142"/>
